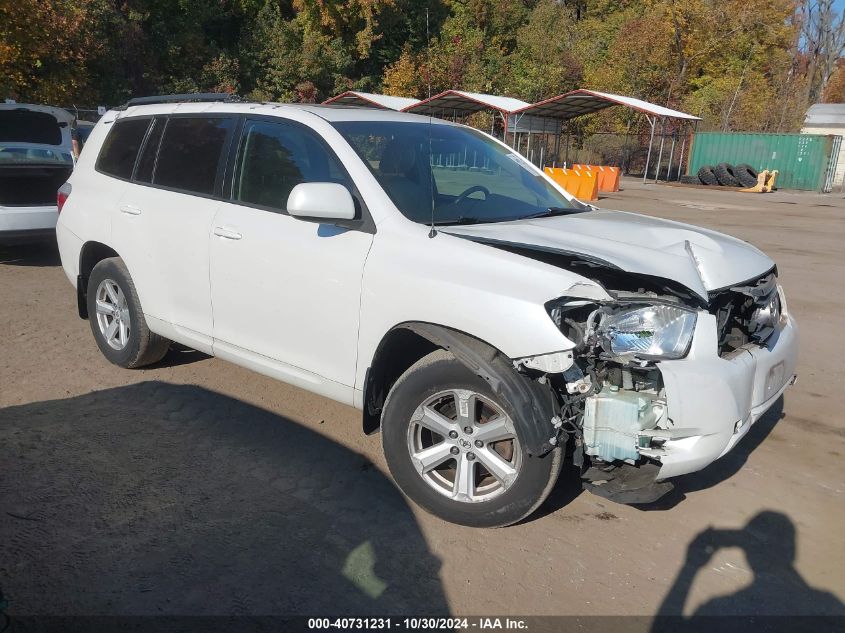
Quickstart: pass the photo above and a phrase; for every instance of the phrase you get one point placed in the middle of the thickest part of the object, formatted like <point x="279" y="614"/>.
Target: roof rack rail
<point x="190" y="96"/>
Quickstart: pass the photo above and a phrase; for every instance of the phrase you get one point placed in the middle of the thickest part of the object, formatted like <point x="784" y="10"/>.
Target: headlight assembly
<point x="659" y="331"/>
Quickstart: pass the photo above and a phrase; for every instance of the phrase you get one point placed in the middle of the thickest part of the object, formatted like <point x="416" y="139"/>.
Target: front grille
<point x="746" y="313"/>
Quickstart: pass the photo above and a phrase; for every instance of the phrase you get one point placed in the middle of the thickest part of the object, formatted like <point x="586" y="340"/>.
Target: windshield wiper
<point x="551" y="212"/>
<point x="462" y="220"/>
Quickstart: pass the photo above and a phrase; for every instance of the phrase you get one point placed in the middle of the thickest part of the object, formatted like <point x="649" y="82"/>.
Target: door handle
<point x="128" y="209"/>
<point x="227" y="234"/>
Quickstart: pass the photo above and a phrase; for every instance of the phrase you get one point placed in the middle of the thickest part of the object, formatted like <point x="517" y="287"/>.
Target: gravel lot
<point x="197" y="487"/>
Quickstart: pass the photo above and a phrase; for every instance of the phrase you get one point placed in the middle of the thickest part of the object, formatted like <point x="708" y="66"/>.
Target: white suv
<point x="480" y="317"/>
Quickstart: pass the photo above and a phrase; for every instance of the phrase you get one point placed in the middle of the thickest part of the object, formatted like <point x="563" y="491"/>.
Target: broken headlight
<point x="659" y="331"/>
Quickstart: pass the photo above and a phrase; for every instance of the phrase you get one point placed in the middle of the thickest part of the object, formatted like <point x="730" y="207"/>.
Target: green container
<point x="801" y="159"/>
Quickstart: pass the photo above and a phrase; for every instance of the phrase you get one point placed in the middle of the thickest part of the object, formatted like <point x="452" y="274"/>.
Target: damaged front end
<point x="612" y="396"/>
<point x="672" y="360"/>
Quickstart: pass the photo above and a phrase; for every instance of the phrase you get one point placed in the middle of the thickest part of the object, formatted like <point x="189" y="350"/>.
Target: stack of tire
<point x="724" y="175"/>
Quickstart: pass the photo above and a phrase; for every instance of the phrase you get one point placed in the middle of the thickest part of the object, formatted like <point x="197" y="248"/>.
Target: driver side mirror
<point x="320" y="202"/>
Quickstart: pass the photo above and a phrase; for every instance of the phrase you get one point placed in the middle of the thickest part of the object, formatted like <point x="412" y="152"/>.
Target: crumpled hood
<point x="700" y="259"/>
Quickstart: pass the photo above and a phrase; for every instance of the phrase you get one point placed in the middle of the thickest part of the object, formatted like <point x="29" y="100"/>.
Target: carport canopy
<point x="370" y="100"/>
<point x="460" y="102"/>
<point x="579" y="102"/>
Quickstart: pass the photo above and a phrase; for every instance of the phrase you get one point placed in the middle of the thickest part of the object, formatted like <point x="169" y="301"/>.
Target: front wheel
<point x="455" y="448"/>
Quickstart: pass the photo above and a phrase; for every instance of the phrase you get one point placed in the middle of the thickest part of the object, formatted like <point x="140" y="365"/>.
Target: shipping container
<point x="803" y="161"/>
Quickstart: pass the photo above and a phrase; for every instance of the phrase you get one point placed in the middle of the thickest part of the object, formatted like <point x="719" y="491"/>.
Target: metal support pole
<point x="691" y="144"/>
<point x="623" y="160"/>
<point x="671" y="156"/>
<point x="566" y="162"/>
<point x="557" y="144"/>
<point x="543" y="145"/>
<point x="651" y="122"/>
<point x="660" y="154"/>
<point x="681" y="157"/>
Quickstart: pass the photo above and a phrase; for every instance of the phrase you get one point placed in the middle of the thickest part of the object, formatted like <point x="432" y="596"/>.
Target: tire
<point x="725" y="175"/>
<point x="493" y="502"/>
<point x="706" y="176"/>
<point x="746" y="175"/>
<point x="130" y="344"/>
<point x="691" y="180"/>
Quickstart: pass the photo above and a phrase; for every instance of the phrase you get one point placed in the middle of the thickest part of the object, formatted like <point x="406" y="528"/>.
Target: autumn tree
<point x="739" y="64"/>
<point x="823" y="40"/>
<point x="44" y="47"/>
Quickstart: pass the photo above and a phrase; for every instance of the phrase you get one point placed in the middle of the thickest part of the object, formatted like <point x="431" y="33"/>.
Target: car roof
<point x="330" y="113"/>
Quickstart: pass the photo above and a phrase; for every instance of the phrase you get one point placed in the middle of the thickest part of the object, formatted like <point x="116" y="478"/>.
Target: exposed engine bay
<point x="613" y="405"/>
<point x="746" y="313"/>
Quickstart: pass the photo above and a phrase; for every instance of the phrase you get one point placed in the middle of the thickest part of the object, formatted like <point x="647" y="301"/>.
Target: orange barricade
<point x="608" y="176"/>
<point x="583" y="184"/>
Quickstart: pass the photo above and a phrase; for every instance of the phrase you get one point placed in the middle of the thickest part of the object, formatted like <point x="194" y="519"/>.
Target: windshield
<point x="470" y="177"/>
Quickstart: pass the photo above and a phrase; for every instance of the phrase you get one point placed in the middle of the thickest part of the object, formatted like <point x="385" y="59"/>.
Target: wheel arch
<point x="397" y="351"/>
<point x="408" y="342"/>
<point x="90" y="255"/>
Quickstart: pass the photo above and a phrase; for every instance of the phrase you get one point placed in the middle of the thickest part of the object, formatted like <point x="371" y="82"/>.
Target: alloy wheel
<point x="464" y="446"/>
<point x="113" y="314"/>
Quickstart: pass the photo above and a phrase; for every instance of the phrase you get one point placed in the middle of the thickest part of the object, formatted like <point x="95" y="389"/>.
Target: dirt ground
<point x="197" y="487"/>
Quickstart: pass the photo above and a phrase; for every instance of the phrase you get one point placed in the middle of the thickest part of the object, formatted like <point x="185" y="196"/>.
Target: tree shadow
<point x="163" y="499"/>
<point x="777" y="589"/>
<point x="45" y="253"/>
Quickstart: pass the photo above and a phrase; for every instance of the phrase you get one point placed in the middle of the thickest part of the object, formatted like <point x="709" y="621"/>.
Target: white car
<point x="35" y="159"/>
<point x="480" y="317"/>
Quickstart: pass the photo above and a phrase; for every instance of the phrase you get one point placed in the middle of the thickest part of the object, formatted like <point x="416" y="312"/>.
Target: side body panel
<point x="163" y="237"/>
<point x="288" y="289"/>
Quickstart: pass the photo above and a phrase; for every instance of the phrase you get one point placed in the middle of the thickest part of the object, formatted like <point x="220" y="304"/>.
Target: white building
<point x="828" y="118"/>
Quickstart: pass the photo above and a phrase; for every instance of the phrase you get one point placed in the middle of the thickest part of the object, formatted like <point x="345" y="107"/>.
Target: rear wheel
<point x="117" y="320"/>
<point x="456" y="450"/>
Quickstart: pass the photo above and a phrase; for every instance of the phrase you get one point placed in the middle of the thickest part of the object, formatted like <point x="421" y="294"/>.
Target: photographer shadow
<point x="777" y="589"/>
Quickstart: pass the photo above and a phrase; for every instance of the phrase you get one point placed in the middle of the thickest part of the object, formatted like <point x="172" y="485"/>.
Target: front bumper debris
<point x="624" y="483"/>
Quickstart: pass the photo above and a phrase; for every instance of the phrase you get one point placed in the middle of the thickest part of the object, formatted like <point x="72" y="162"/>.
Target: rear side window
<point x="190" y="151"/>
<point x="26" y="126"/>
<point x="147" y="161"/>
<point x="120" y="149"/>
<point x="275" y="157"/>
